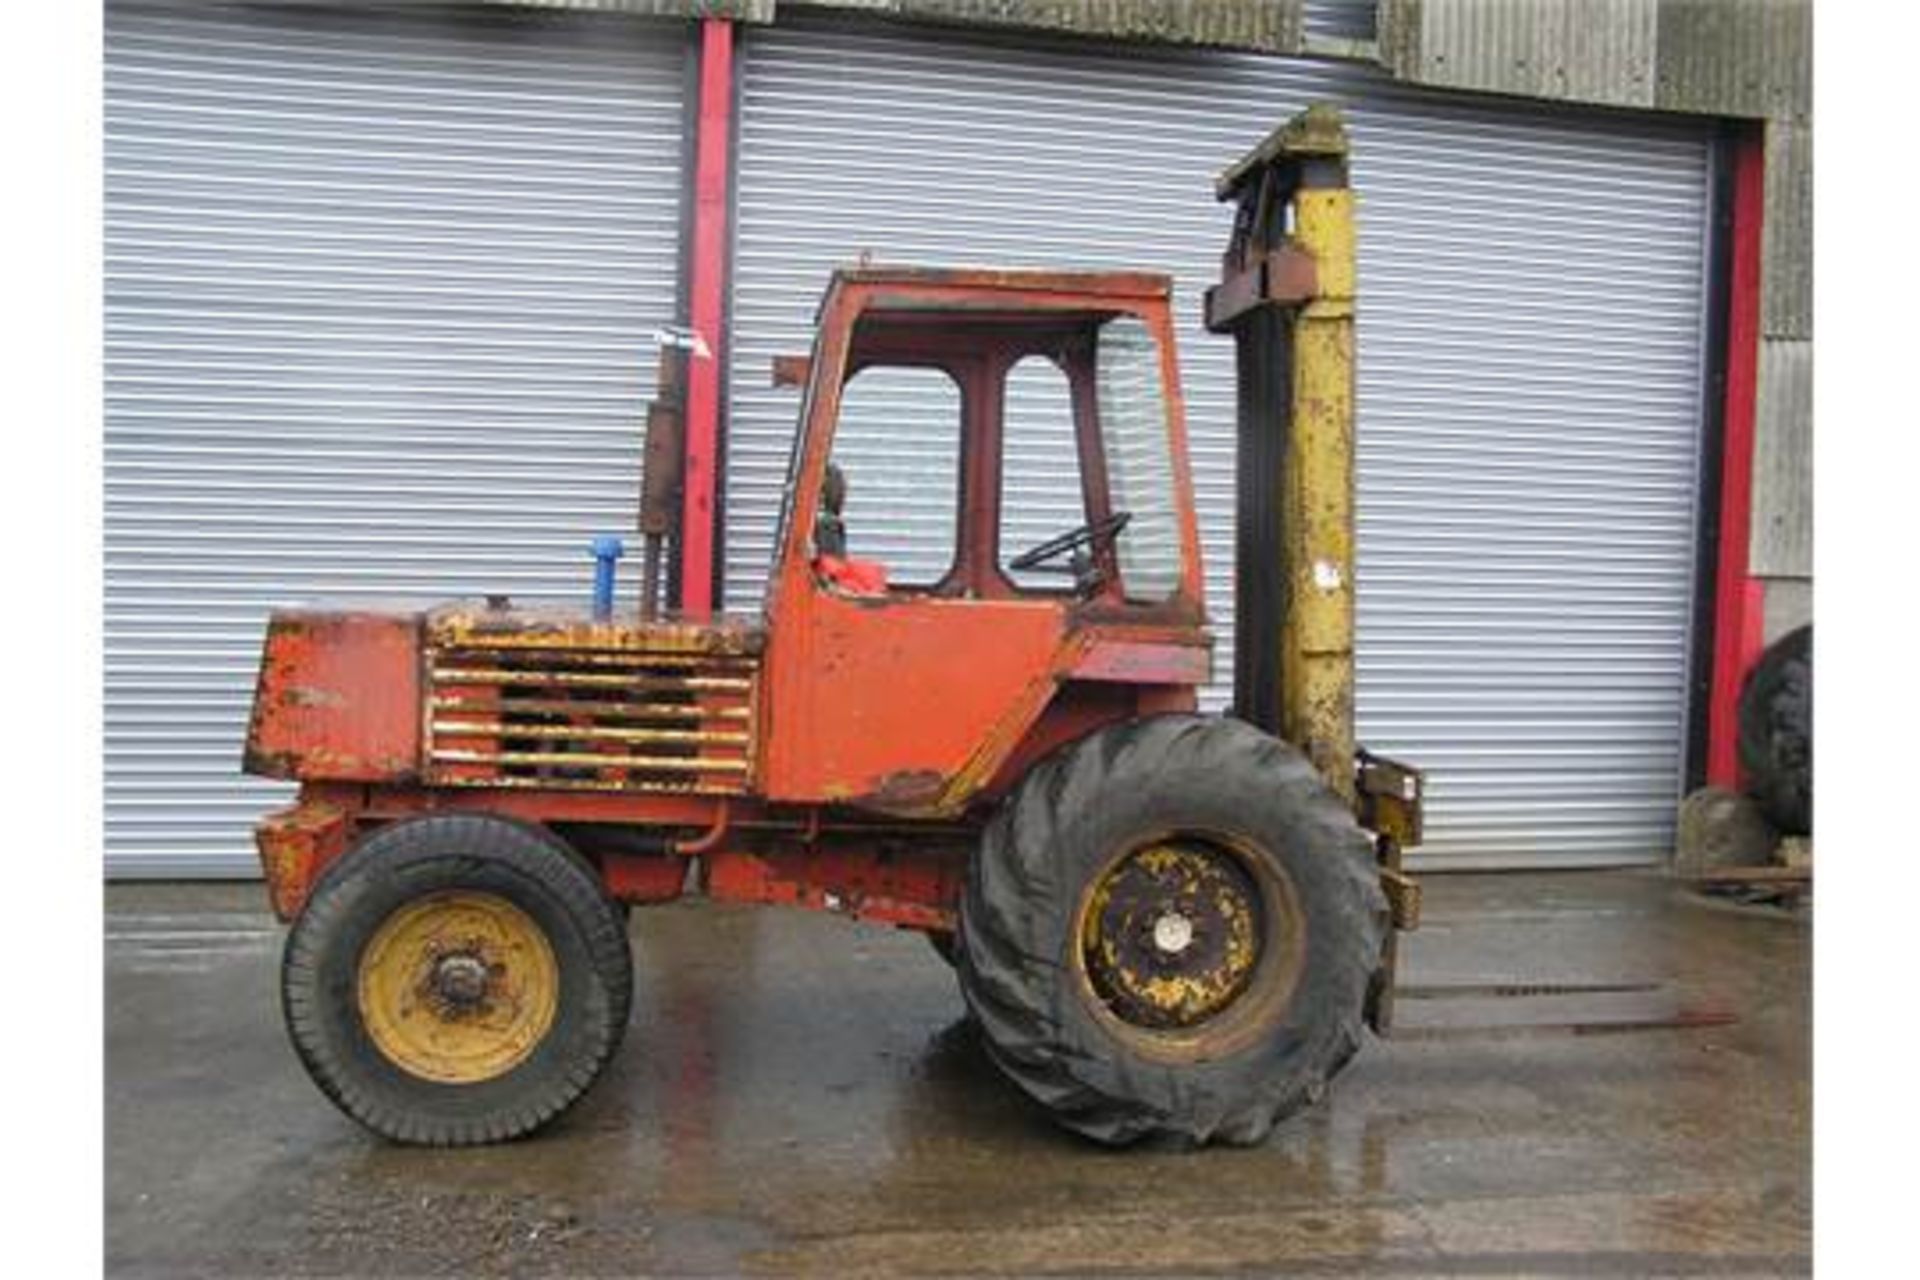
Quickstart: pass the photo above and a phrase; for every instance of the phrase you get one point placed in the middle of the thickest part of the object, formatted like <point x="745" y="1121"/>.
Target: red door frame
<point x="706" y="305"/>
<point x="1738" y="596"/>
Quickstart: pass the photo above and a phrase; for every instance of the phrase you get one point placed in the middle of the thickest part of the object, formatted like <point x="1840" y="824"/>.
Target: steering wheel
<point x="1103" y="530"/>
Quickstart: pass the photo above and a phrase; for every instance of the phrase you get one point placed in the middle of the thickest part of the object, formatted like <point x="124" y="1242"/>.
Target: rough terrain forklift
<point x="1166" y="922"/>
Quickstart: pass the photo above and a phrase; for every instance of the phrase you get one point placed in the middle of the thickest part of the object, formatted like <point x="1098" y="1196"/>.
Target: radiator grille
<point x="591" y="721"/>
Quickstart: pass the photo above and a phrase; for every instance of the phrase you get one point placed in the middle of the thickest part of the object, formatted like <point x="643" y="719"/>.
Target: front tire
<point x="456" y="980"/>
<point x="1169" y="930"/>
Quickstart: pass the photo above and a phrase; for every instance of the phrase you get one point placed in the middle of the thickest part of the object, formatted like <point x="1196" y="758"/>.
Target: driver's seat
<point x="839" y="570"/>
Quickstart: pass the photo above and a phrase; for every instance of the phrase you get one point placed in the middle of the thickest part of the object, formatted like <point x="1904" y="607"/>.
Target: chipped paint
<point x="296" y="844"/>
<point x="337" y="697"/>
<point x="466" y="623"/>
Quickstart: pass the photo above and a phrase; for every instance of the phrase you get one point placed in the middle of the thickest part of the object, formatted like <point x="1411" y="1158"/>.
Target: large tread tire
<point x="1044" y="849"/>
<point x="534" y="871"/>
<point x="1776" y="732"/>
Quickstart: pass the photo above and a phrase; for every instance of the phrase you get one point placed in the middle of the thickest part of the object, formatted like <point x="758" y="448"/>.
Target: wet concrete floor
<point x="800" y="1094"/>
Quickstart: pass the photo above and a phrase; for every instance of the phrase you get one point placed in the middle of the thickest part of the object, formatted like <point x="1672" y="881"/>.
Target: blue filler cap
<point x="606" y="550"/>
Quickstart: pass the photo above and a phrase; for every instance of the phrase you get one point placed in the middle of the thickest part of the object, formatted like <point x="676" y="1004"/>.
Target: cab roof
<point x="1117" y="284"/>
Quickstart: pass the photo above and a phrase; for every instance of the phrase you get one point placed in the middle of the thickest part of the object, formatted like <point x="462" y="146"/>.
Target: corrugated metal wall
<point x="1341" y="19"/>
<point x="379" y="291"/>
<point x="1530" y="380"/>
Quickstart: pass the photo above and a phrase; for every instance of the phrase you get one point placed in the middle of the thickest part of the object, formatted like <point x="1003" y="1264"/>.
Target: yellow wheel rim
<point x="1172" y="934"/>
<point x="458" y="987"/>
<point x="1188" y="946"/>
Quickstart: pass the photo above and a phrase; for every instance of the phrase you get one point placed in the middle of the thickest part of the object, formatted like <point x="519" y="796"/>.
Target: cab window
<point x="1040" y="490"/>
<point x="896" y="465"/>
<point x="1132" y="409"/>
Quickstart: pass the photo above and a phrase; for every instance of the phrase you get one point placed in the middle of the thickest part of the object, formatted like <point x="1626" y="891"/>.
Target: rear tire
<point x="456" y="980"/>
<point x="1170" y="929"/>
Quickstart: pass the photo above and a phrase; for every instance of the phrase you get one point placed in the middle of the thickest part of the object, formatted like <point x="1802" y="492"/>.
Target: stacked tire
<point x="1776" y="732"/>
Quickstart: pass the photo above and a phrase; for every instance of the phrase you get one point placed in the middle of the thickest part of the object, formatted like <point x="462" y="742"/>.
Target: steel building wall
<point x="1781" y="545"/>
<point x="1340" y="19"/>
<point x="379" y="296"/>
<point x="1531" y="307"/>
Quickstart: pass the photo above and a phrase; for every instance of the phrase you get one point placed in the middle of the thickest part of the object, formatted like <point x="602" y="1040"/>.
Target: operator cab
<point x="995" y="443"/>
<point x="988" y="513"/>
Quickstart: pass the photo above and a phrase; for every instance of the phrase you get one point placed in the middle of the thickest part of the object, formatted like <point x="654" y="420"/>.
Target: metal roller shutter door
<point x="1530" y="368"/>
<point x="379" y="296"/>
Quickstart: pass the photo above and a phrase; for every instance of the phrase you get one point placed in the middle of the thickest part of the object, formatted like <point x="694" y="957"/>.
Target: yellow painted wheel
<point x="458" y="987"/>
<point x="1171" y="933"/>
<point x="1186" y="943"/>
<point x="457" y="979"/>
<point x="1169" y="928"/>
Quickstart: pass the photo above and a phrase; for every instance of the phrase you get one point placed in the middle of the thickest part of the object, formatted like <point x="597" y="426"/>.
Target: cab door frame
<point x="909" y="703"/>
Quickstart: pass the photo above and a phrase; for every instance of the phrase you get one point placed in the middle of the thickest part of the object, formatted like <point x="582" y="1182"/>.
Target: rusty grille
<point x="591" y="721"/>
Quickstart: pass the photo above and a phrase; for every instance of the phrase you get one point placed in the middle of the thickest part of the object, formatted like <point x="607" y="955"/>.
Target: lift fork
<point x="1624" y="1007"/>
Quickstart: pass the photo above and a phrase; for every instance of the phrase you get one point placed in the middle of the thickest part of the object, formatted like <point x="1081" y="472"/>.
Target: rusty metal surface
<point x="791" y="371"/>
<point x="643" y="879"/>
<point x="854" y="690"/>
<point x="1664" y="1019"/>
<point x="337" y="696"/>
<point x="1392" y="798"/>
<point x="1172" y="934"/>
<point x="1316" y="131"/>
<point x="929" y="286"/>
<point x="851" y="679"/>
<point x="296" y="844"/>
<point x="748" y="822"/>
<point x="1271" y="26"/>
<point x="1284" y="275"/>
<point x="1508" y="1010"/>
<point x="1509" y="990"/>
<point x="469" y="624"/>
<point x="642" y="808"/>
<point x="1123" y="659"/>
<point x="660" y="469"/>
<point x="1403" y="898"/>
<point x="914" y="886"/>
<point x="520" y="710"/>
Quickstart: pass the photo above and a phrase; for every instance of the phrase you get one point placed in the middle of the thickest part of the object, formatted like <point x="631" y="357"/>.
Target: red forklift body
<point x="837" y="711"/>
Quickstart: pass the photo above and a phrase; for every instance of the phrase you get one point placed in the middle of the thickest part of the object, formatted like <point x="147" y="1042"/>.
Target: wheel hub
<point x="460" y="981"/>
<point x="1172" y="934"/>
<point x="458" y="987"/>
